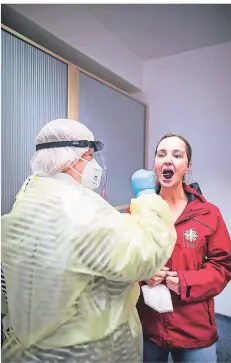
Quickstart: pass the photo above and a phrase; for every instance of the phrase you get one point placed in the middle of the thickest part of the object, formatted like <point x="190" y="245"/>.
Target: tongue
<point x="168" y="174"/>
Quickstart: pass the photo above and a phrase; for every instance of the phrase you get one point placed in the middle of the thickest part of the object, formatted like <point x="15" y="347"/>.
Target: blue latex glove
<point x="143" y="181"/>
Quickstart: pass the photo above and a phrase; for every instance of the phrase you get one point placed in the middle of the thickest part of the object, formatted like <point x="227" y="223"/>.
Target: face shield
<point x="98" y="157"/>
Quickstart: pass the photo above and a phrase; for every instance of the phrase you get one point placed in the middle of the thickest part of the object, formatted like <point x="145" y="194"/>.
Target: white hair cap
<point x="53" y="160"/>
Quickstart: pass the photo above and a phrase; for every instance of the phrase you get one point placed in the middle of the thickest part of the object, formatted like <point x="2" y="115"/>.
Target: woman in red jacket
<point x="198" y="270"/>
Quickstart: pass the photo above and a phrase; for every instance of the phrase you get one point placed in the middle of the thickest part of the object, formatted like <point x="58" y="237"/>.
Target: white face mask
<point x="158" y="298"/>
<point x="91" y="175"/>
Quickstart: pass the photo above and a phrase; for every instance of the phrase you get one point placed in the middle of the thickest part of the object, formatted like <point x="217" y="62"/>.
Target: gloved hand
<point x="143" y="181"/>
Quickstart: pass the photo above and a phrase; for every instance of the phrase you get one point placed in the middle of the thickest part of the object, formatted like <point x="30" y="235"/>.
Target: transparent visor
<point x="102" y="189"/>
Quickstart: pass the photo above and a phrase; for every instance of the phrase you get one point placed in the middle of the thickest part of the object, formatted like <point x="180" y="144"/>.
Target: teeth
<point x="168" y="172"/>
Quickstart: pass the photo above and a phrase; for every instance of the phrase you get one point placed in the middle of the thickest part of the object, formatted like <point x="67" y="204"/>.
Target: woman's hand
<point x="173" y="282"/>
<point x="158" y="278"/>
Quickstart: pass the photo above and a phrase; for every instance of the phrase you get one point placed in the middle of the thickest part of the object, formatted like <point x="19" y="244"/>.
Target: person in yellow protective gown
<point x="71" y="262"/>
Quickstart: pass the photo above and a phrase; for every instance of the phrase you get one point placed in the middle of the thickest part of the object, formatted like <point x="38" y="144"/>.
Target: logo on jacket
<point x="190" y="238"/>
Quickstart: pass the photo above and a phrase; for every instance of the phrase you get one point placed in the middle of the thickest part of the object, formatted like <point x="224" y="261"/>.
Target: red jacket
<point x="202" y="258"/>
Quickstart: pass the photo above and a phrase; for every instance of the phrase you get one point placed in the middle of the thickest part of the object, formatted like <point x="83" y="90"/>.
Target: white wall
<point x="190" y="94"/>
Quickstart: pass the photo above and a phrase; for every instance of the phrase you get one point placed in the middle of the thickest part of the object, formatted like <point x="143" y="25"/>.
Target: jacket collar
<point x="192" y="191"/>
<point x="194" y="207"/>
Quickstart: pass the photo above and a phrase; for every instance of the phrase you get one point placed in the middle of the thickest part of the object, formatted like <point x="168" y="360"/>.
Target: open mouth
<point x="168" y="174"/>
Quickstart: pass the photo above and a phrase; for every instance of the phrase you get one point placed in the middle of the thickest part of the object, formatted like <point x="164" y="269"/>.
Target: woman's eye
<point x="161" y="155"/>
<point x="178" y="156"/>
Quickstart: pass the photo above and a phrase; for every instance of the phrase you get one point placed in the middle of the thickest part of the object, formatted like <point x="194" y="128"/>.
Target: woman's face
<point x="171" y="161"/>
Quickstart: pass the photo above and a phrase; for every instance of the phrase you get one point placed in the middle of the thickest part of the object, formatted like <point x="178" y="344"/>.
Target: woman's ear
<point x="187" y="173"/>
<point x="189" y="169"/>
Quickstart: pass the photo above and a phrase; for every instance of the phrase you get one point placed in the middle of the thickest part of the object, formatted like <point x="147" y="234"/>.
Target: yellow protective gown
<point x="71" y="264"/>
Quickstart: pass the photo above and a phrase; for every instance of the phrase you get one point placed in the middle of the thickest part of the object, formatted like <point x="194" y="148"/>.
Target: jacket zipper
<point x="210" y="318"/>
<point x="210" y="314"/>
<point x="204" y="224"/>
<point x="191" y="217"/>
